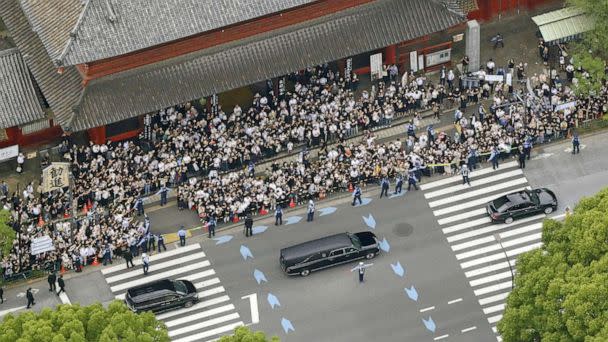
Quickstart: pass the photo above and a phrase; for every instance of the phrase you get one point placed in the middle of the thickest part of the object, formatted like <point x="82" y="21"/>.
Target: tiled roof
<point x="60" y="90"/>
<point x="53" y="20"/>
<point x="108" y="28"/>
<point x="221" y="68"/>
<point x="18" y="101"/>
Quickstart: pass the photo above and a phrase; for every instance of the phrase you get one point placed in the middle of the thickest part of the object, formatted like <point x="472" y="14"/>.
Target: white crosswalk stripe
<point x="486" y="251"/>
<point x="208" y="319"/>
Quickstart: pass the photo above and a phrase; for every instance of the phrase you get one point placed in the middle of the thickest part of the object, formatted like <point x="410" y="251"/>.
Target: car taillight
<point x="495" y="215"/>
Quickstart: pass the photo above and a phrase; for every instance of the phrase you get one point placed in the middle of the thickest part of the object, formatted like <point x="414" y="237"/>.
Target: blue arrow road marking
<point x="412" y="293"/>
<point x="259" y="229"/>
<point x="398" y="195"/>
<point x="384" y="245"/>
<point x="370" y="221"/>
<point x="287" y="325"/>
<point x="222" y="239"/>
<point x="430" y="325"/>
<point x="293" y="220"/>
<point x="364" y="201"/>
<point x="398" y="269"/>
<point x="259" y="276"/>
<point x="327" y="211"/>
<point x="273" y="301"/>
<point x="246" y="252"/>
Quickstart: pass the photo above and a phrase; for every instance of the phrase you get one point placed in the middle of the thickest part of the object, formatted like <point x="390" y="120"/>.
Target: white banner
<point x="56" y="176"/>
<point x="414" y="60"/>
<point x="565" y="106"/>
<point x="9" y="152"/>
<point x="375" y="63"/>
<point x="494" y="78"/>
<point x="41" y="245"/>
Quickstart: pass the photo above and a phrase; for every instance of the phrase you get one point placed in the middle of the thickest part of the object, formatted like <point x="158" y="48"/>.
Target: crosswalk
<point x="206" y="320"/>
<point x="486" y="251"/>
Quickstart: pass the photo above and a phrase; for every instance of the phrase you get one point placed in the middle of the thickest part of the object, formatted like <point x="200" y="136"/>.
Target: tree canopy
<point x="244" y="334"/>
<point x="7" y="233"/>
<point x="561" y="290"/>
<point x="592" y="52"/>
<point x="75" y="323"/>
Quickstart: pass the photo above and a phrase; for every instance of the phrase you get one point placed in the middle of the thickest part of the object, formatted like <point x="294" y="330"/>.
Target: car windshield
<point x="533" y="197"/>
<point x="356" y="241"/>
<point x="180" y="287"/>
<point x="502" y="204"/>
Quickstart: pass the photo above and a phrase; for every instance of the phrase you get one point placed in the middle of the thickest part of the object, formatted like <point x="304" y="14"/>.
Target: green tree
<point x="75" y="323"/>
<point x="7" y="233"/>
<point x="561" y="290"/>
<point x="592" y="52"/>
<point x="244" y="334"/>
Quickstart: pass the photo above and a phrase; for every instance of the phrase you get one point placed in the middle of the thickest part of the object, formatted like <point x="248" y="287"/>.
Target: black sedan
<point x="522" y="203"/>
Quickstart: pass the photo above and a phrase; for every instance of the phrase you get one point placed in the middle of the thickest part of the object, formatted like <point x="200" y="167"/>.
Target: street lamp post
<point x="498" y="239"/>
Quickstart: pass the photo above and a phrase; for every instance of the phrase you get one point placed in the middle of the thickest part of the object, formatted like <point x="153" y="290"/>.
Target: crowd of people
<point x="208" y="157"/>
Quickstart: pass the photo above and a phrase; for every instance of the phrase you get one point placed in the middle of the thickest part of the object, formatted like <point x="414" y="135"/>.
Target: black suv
<point x="161" y="295"/>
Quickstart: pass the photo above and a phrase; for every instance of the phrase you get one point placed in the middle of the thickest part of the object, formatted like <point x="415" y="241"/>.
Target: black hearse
<point x="161" y="295"/>
<point x="328" y="251"/>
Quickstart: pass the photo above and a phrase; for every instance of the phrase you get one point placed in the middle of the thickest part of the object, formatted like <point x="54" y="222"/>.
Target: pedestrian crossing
<point x="485" y="251"/>
<point x="214" y="315"/>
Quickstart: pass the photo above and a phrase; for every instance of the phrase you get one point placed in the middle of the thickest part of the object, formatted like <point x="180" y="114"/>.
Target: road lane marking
<point x="488" y="269"/>
<point x="466" y="225"/>
<point x="204" y="324"/>
<point x="494" y="319"/>
<point x="468" y="329"/>
<point x="195" y="307"/>
<point x="501" y="255"/>
<point x="460" y="217"/>
<point x="524" y="229"/>
<point x="155" y="257"/>
<point x="494" y="288"/>
<point x="7" y="311"/>
<point x="491" y="278"/>
<point x="473" y="243"/>
<point x="427" y="309"/>
<point x="440" y="337"/>
<point x="253" y="303"/>
<point x="169" y="263"/>
<point x="478" y="251"/>
<point x="477" y="182"/>
<point x="156" y="276"/>
<point x="483" y="191"/>
<point x="491" y="228"/>
<point x="494" y="298"/>
<point x="191" y="277"/>
<point x="474" y="203"/>
<point x="199" y="315"/>
<point x="519" y="241"/>
<point x="458" y="178"/>
<point x="454" y="301"/>
<point x="208" y="333"/>
<point x="495" y="308"/>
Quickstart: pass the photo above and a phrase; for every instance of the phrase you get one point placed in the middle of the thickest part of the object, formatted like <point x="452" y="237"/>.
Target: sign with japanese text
<point x="56" y="176"/>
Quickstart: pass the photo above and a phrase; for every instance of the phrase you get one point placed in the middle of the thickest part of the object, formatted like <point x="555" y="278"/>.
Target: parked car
<point x="329" y="251"/>
<point x="161" y="295"/>
<point x="522" y="203"/>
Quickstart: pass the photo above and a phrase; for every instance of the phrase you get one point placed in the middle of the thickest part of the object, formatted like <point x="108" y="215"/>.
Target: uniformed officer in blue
<point x="411" y="180"/>
<point x="385" y="185"/>
<point x="211" y="223"/>
<point x="278" y="215"/>
<point x="139" y="205"/>
<point x="310" y="211"/>
<point x="527" y="148"/>
<point x="411" y="130"/>
<point x="399" y="181"/>
<point x="182" y="236"/>
<point x="357" y="195"/>
<point x="576" y="143"/>
<point x="494" y="157"/>
<point x="163" y="195"/>
<point x="464" y="171"/>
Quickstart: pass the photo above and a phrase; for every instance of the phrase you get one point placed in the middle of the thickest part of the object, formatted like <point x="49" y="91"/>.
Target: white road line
<point x="153" y="258"/>
<point x="64" y="298"/>
<point x="495" y="308"/>
<point x="477" y="182"/>
<point x="195" y="307"/>
<point x="474" y="203"/>
<point x="468" y="329"/>
<point x="211" y="292"/>
<point x="427" y="309"/>
<point x="478" y="192"/>
<point x="209" y="333"/>
<point x="157" y="276"/>
<point x="491" y="278"/>
<point x="494" y="319"/>
<point x="465" y="215"/>
<point x="191" y="277"/>
<point x="204" y="324"/>
<point x="495" y="330"/>
<point x="466" y="225"/>
<point x="524" y="249"/>
<point x="473" y="243"/>
<point x="478" y="251"/>
<point x="525" y="229"/>
<point x="169" y="263"/>
<point x="523" y="239"/>
<point x="7" y="311"/>
<point x="491" y="228"/>
<point x="493" y="288"/>
<point x="498" y="338"/>
<point x="501" y="255"/>
<point x="440" y="337"/>
<point x="488" y="269"/>
<point x="474" y="174"/>
<point x="454" y="301"/>
<point x="494" y="298"/>
<point x="199" y="315"/>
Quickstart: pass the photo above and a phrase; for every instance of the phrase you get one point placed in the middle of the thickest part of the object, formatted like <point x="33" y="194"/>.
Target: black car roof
<point x="315" y="246"/>
<point x="518" y="197"/>
<point x="163" y="285"/>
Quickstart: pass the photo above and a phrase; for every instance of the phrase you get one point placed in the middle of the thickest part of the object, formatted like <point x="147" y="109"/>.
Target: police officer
<point x="494" y="158"/>
<point x="310" y="211"/>
<point x="61" y="284"/>
<point x="278" y="215"/>
<point x="411" y="180"/>
<point x="211" y="226"/>
<point x="385" y="185"/>
<point x="357" y="195"/>
<point x="411" y="130"/>
<point x="464" y="171"/>
<point x="521" y="157"/>
<point x="361" y="271"/>
<point x="51" y="280"/>
<point x="182" y="236"/>
<point x="160" y="239"/>
<point x="139" y="205"/>
<point x="128" y="257"/>
<point x="399" y="185"/>
<point x="145" y="262"/>
<point x="107" y="255"/>
<point x="151" y="241"/>
<point x="163" y="195"/>
<point x="527" y="148"/>
<point x="248" y="225"/>
<point x="30" y="298"/>
<point x="576" y="144"/>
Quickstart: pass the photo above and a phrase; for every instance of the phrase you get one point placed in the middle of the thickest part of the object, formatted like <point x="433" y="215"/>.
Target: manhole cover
<point x="403" y="229"/>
